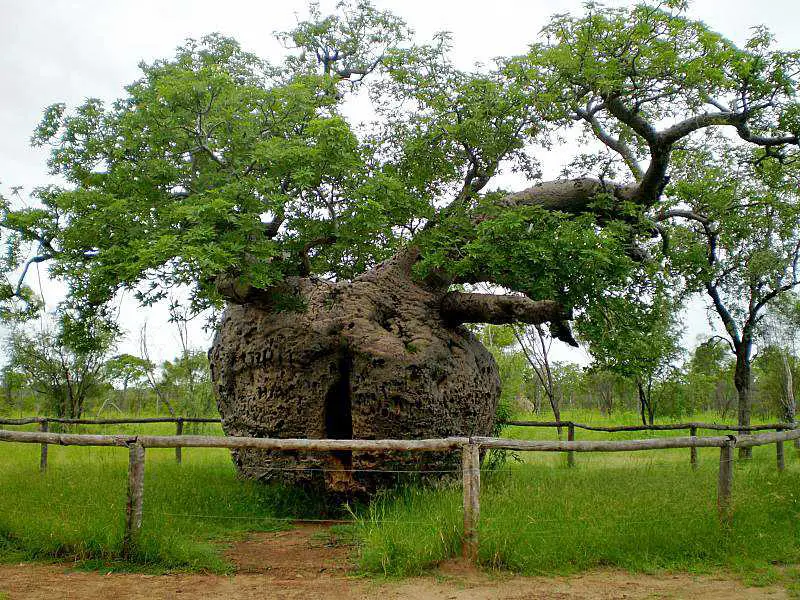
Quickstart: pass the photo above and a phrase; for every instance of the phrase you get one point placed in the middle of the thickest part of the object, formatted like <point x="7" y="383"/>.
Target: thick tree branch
<point x="463" y="307"/>
<point x="766" y="141"/>
<point x="235" y="291"/>
<point x="724" y="314"/>
<point x="632" y="118"/>
<point x="39" y="258"/>
<point x="681" y="130"/>
<point x="660" y="143"/>
<point x="654" y="179"/>
<point x="572" y="196"/>
<point x="458" y="307"/>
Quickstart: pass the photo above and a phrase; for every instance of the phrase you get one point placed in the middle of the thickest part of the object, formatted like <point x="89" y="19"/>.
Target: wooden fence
<point x="692" y="427"/>
<point x="470" y="452"/>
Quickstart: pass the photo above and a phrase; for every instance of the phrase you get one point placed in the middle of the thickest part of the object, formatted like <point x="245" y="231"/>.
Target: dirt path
<point x="303" y="564"/>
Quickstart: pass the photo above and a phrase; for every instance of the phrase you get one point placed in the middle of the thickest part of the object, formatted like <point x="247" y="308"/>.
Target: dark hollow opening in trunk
<point x="338" y="412"/>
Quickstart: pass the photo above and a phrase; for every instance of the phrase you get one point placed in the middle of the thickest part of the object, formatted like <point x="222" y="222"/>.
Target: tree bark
<point x="383" y="355"/>
<point x="574" y="196"/>
<point x="459" y="307"/>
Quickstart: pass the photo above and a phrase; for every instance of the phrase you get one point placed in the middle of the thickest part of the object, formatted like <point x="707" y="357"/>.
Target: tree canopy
<point x="221" y="172"/>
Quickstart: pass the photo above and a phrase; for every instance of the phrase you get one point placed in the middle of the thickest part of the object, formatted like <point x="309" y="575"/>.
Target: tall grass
<point x="76" y="509"/>
<point x="640" y="511"/>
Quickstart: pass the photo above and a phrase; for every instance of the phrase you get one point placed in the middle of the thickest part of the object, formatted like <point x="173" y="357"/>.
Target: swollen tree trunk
<point x="382" y="356"/>
<point x="377" y="357"/>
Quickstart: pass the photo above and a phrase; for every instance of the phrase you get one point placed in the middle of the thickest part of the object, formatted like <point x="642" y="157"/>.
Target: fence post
<point x="693" y="449"/>
<point x="571" y="438"/>
<point x="133" y="507"/>
<point x="471" y="471"/>
<point x="779" y="455"/>
<point x="178" y="431"/>
<point x="44" y="427"/>
<point x="725" y="483"/>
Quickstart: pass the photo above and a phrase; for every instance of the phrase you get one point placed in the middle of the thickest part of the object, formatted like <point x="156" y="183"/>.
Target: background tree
<point x="709" y="376"/>
<point x="514" y="391"/>
<point x="779" y="333"/>
<point x="637" y="340"/>
<point x="738" y="241"/>
<point x="126" y="370"/>
<point x="14" y="383"/>
<point x="63" y="365"/>
<point x="535" y="344"/>
<point x="187" y="381"/>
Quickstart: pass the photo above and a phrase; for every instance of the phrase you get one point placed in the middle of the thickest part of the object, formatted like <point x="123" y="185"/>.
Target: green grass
<point x="538" y="519"/>
<point x="645" y="511"/>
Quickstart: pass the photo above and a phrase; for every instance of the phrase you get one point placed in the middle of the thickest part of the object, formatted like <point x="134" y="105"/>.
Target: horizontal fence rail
<point x="44" y="426"/>
<point x="212" y="441"/>
<point x="470" y="453"/>
<point x="433" y="444"/>
<point x="132" y="420"/>
<point x="660" y="427"/>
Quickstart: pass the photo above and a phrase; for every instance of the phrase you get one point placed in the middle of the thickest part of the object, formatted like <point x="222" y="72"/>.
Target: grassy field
<point x="644" y="511"/>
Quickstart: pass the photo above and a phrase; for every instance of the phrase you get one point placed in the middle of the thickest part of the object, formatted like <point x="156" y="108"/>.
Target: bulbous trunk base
<point x="367" y="359"/>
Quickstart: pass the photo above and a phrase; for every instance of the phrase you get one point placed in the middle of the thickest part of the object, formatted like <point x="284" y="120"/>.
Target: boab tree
<point x="344" y="254"/>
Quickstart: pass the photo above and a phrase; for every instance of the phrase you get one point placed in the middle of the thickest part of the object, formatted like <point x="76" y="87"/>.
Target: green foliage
<point x="751" y="205"/>
<point x="187" y="380"/>
<point x="545" y="254"/>
<point x="187" y="176"/>
<point x="636" y="337"/>
<point x="126" y="369"/>
<point x="62" y="366"/>
<point x="654" y="58"/>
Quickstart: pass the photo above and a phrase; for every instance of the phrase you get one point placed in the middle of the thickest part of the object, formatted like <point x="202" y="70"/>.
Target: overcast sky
<point x="66" y="51"/>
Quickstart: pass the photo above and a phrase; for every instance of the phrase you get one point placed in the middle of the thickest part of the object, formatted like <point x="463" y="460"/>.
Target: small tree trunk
<point x="742" y="380"/>
<point x="642" y="401"/>
<point x="651" y="408"/>
<point x="790" y="406"/>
